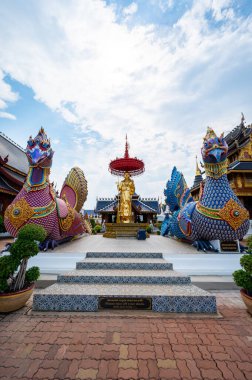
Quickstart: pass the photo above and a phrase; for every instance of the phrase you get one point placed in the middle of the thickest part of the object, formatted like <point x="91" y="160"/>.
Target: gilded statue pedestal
<point x="114" y="230"/>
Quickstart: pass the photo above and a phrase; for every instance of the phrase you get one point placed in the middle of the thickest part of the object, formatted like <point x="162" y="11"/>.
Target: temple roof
<point x="14" y="154"/>
<point x="16" y="177"/>
<point x="6" y="187"/>
<point x="105" y="204"/>
<point x="240" y="165"/>
<point x="198" y="176"/>
<point x="238" y="137"/>
<point x="149" y="205"/>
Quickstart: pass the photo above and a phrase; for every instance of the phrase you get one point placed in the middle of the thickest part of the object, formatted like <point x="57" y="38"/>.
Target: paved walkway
<point x="128" y="345"/>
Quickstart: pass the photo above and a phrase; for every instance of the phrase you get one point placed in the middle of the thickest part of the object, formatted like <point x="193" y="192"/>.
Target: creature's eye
<point x="205" y="145"/>
<point x="30" y="143"/>
<point x="44" y="146"/>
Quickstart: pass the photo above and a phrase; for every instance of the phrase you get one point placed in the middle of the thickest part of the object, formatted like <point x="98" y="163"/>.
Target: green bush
<point x="8" y="265"/>
<point x="24" y="249"/>
<point x="32" y="232"/>
<point x="92" y="221"/>
<point x="94" y="232"/>
<point x="98" y="228"/>
<point x="32" y="274"/>
<point x="149" y="229"/>
<point x="249" y="241"/>
<point x="2" y="228"/>
<point x="21" y="250"/>
<point x="158" y="232"/>
<point x="243" y="277"/>
<point x="246" y="263"/>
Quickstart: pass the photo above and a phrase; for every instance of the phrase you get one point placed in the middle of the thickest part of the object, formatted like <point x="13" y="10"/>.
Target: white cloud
<point x="130" y="9"/>
<point x="6" y="96"/>
<point x="161" y="85"/>
<point x="7" y="115"/>
<point x="164" y="5"/>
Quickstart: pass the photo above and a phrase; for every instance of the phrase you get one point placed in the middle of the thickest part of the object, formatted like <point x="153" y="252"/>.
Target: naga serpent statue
<point x="218" y="215"/>
<point x="37" y="202"/>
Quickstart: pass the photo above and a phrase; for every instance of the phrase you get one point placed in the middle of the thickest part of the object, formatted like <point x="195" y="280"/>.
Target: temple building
<point x="144" y="210"/>
<point x="197" y="181"/>
<point x="13" y="170"/>
<point x="239" y="158"/>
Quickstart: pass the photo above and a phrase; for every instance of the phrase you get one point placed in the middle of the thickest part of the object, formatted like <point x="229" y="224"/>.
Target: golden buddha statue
<point x="126" y="189"/>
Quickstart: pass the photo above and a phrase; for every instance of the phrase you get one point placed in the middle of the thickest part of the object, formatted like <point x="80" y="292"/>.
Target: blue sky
<point x="90" y="71"/>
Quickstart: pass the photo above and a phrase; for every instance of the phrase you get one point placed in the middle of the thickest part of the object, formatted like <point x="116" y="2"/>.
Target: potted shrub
<point x="16" y="282"/>
<point x="243" y="278"/>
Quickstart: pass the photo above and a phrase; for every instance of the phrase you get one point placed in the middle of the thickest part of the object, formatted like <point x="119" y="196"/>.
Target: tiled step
<point x="126" y="276"/>
<point x="86" y="297"/>
<point x="122" y="263"/>
<point x="137" y="255"/>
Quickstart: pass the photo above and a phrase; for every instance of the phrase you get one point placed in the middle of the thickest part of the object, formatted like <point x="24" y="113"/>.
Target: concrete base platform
<point x="164" y="298"/>
<point x="123" y="230"/>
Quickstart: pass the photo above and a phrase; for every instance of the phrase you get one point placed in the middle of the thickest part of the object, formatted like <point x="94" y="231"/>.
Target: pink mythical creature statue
<point x="37" y="202"/>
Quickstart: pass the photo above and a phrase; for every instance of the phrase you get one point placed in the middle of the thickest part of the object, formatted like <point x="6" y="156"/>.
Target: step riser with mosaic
<point x="186" y="299"/>
<point x="139" y="255"/>
<point x="179" y="280"/>
<point x="124" y="265"/>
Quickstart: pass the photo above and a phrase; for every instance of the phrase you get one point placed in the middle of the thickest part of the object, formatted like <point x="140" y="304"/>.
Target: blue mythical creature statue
<point x="218" y="215"/>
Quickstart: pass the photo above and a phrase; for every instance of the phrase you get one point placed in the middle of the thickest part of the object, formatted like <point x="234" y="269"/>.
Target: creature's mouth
<point x="36" y="156"/>
<point x="218" y="154"/>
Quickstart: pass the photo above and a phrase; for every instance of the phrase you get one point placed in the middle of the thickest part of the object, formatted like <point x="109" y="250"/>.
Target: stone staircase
<point x="124" y="280"/>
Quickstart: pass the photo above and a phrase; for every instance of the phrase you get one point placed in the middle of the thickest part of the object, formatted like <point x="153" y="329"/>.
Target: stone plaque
<point x="229" y="246"/>
<point x="125" y="303"/>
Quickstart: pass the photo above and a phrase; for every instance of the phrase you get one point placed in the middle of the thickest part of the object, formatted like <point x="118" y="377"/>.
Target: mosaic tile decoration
<point x="147" y="255"/>
<point x="184" y="304"/>
<point x="123" y="265"/>
<point x="124" y="277"/>
<point x="64" y="302"/>
<point x="165" y="298"/>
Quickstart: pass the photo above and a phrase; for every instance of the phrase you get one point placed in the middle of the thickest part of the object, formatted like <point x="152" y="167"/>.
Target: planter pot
<point x="247" y="300"/>
<point x="16" y="300"/>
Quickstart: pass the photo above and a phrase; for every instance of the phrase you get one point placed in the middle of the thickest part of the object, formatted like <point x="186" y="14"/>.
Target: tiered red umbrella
<point x="120" y="166"/>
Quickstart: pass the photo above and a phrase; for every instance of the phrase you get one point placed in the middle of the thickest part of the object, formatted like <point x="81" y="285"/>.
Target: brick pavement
<point x="128" y="345"/>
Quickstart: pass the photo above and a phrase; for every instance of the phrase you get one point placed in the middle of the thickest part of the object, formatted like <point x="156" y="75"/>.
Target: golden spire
<point x="198" y="172"/>
<point x="126" y="154"/>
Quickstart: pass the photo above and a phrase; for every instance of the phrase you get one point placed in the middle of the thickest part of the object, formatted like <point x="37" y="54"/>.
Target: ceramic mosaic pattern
<point x="65" y="302"/>
<point x="124" y="277"/>
<point x="165" y="298"/>
<point x="211" y="229"/>
<point x="147" y="255"/>
<point x="184" y="304"/>
<point x="123" y="265"/>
